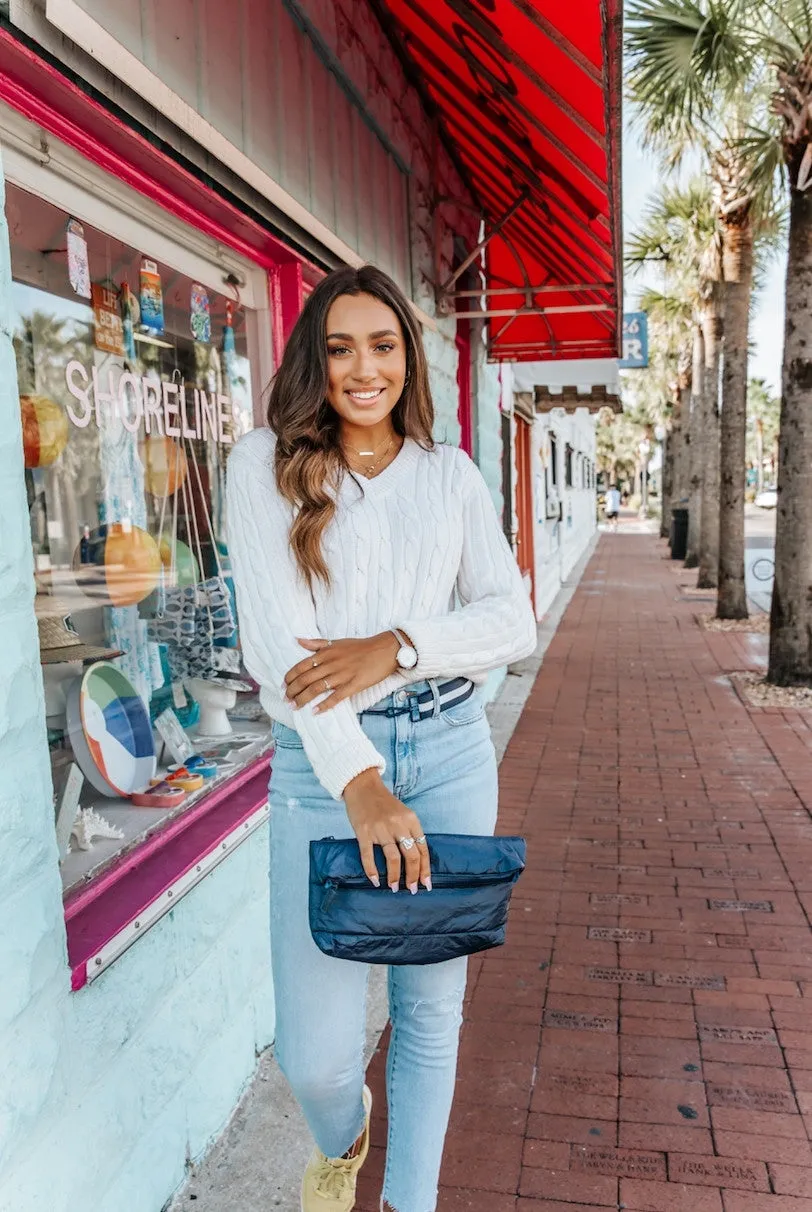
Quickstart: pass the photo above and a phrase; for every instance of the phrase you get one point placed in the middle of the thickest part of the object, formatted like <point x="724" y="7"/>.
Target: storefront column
<point x="32" y="953"/>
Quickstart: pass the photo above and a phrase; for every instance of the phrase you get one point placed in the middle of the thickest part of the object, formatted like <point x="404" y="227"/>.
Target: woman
<point x="350" y="534"/>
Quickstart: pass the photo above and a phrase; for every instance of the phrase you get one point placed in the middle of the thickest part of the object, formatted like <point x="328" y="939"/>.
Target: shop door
<point x="524" y="503"/>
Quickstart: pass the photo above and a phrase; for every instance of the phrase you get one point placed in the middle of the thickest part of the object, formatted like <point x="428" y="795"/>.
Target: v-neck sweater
<point x="417" y="547"/>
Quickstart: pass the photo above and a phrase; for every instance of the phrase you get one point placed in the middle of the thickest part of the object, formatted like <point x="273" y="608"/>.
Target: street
<point x="759" y="537"/>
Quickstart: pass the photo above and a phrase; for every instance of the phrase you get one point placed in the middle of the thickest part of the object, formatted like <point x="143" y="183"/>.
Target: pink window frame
<point x="104" y="915"/>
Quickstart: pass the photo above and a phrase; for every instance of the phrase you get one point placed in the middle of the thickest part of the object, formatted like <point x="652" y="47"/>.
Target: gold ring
<point x="327" y="685"/>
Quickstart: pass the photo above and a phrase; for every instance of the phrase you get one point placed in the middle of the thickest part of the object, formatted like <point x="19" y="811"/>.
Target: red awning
<point x="528" y="95"/>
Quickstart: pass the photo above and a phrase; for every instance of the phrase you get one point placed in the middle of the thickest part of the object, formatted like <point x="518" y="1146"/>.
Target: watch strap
<point x="404" y="643"/>
<point x="400" y="637"/>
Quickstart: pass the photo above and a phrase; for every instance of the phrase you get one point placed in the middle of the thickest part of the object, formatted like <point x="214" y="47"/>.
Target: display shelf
<point x="137" y="824"/>
<point x="108" y="914"/>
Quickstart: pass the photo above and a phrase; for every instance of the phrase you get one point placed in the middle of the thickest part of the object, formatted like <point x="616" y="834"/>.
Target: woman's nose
<point x="365" y="368"/>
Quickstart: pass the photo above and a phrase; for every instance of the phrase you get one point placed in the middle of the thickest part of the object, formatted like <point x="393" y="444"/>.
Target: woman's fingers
<point x="336" y="695"/>
<point x="391" y="852"/>
<point x="368" y="861"/>
<point x="313" y="678"/>
<point x="345" y="692"/>
<point x="324" y="657"/>
<point x="425" y="860"/>
<point x="411" y="859"/>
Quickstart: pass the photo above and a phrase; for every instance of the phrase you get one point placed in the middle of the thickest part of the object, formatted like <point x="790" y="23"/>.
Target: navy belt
<point x="421" y="706"/>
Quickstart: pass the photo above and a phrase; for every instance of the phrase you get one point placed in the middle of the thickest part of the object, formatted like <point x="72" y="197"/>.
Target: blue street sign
<point x="635" y="341"/>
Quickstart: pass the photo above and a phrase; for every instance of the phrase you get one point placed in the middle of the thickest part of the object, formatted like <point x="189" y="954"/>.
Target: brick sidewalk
<point x="644" y="1039"/>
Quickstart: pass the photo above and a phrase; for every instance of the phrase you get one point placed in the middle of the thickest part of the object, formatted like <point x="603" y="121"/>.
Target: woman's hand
<point x="345" y="667"/>
<point x="379" y="818"/>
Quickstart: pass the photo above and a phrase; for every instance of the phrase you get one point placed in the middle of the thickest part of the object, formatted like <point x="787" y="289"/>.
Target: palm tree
<point x="683" y="53"/>
<point x="789" y="45"/>
<point x="680" y="229"/>
<point x="707" y="52"/>
<point x="668" y="380"/>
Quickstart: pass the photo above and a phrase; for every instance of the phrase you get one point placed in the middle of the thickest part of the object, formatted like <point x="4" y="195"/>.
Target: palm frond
<point x="667" y="308"/>
<point x="761" y="150"/>
<point x="685" y="57"/>
<point x="784" y="28"/>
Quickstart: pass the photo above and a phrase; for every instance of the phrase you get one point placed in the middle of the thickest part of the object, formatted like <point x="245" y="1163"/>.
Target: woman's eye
<point x="384" y="347"/>
<point x="337" y="350"/>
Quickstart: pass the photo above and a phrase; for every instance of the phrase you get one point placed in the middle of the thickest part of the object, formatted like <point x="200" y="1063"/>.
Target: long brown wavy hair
<point x="309" y="459"/>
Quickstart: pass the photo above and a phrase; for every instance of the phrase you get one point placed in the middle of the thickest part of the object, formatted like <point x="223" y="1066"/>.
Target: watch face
<point x="407" y="658"/>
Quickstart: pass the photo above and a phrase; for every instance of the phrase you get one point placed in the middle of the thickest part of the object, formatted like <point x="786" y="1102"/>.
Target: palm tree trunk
<point x="731" y="602"/>
<point x="670" y="445"/>
<point x="712" y="328"/>
<point x="791" y="616"/>
<point x="682" y="413"/>
<point x="694" y="458"/>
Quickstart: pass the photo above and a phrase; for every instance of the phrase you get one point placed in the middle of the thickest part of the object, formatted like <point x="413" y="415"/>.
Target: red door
<point x="524" y="503"/>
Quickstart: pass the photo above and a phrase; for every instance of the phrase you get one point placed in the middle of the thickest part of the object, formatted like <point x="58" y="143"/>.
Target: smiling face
<point x="366" y="355"/>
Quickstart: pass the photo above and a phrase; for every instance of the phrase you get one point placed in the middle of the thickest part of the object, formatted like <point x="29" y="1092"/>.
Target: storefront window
<point x="135" y="381"/>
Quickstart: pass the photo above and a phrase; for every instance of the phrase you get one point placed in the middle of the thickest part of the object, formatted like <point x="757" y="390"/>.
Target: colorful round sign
<point x="110" y="731"/>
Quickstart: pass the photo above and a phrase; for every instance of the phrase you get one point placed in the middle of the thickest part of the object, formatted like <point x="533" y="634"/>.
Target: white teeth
<point x="366" y="395"/>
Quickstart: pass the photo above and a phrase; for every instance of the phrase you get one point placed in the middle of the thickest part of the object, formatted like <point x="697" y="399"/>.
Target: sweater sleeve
<point x="274" y="608"/>
<point x="495" y="624"/>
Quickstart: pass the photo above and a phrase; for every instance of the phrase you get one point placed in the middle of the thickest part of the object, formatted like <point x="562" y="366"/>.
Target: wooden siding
<point x="249" y="69"/>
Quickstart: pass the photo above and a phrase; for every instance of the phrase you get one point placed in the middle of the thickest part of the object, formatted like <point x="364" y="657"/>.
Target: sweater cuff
<point x="431" y="646"/>
<point x="343" y="765"/>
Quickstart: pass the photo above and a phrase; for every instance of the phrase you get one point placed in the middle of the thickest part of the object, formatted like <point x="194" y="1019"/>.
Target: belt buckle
<point x="414" y="706"/>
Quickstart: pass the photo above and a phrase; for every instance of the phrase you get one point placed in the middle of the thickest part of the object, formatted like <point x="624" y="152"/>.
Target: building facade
<point x="175" y="180"/>
<point x="554" y="494"/>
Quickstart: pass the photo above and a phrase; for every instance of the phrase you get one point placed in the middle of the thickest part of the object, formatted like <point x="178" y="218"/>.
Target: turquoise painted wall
<point x="104" y="1092"/>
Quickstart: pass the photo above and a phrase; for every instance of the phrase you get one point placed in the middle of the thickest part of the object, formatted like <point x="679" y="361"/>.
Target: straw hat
<point x="59" y="641"/>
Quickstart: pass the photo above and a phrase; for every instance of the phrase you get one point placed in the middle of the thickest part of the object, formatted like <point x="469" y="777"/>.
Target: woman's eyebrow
<point x="373" y="336"/>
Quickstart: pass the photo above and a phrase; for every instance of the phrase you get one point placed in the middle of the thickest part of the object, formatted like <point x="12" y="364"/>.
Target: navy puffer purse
<point x="466" y="911"/>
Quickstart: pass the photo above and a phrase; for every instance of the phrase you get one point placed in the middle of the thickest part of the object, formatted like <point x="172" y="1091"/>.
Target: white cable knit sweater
<point x="399" y="547"/>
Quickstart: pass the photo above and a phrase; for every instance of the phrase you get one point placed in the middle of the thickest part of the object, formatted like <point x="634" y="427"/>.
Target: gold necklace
<point x="362" y="454"/>
<point x="368" y="468"/>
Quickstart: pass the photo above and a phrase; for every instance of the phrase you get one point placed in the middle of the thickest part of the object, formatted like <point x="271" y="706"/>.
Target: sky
<point x="640" y="179"/>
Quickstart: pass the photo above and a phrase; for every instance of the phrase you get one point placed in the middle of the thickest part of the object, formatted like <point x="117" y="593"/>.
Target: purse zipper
<point x="470" y="881"/>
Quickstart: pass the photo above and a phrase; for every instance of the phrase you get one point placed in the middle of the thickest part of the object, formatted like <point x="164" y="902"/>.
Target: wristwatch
<point x="406" y="655"/>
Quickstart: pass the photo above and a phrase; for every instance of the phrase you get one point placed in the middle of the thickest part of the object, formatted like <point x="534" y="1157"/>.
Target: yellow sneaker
<point x="329" y="1182"/>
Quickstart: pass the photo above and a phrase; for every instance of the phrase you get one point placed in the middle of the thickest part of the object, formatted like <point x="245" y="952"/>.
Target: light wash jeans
<point x="444" y="768"/>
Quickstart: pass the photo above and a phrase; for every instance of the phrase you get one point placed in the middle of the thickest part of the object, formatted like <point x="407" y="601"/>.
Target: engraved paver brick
<point x="620" y="868"/>
<point x="621" y="1163"/>
<point x="573" y="1021"/>
<point x="620" y="976"/>
<point x="741" y="906"/>
<point x="752" y="1098"/>
<point x="617" y="898"/>
<point x="689" y="980"/>
<point x="618" y="934"/>
<point x="718" y="1171"/>
<point x="737" y="1035"/>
